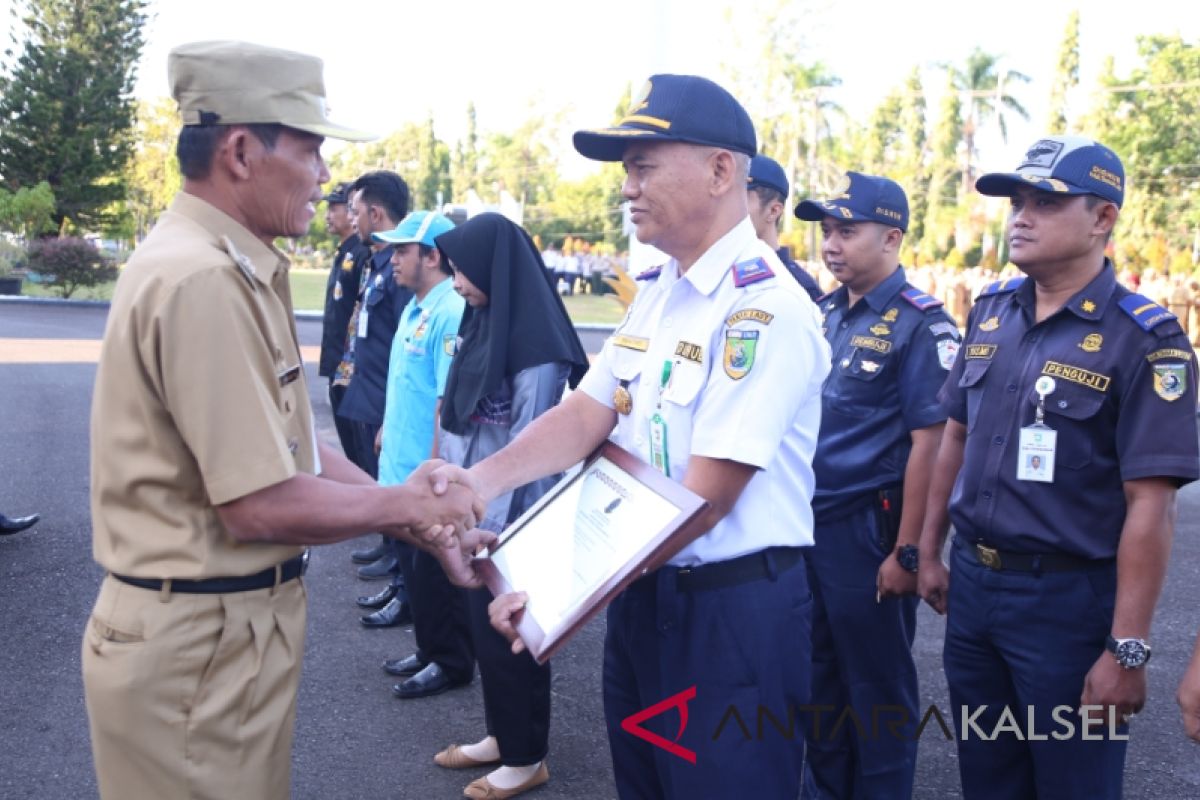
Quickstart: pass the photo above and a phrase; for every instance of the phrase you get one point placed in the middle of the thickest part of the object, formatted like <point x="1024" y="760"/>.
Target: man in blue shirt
<point x="1057" y="564"/>
<point x="421" y="352"/>
<point x="379" y="200"/>
<point x="767" y="191"/>
<point x="880" y="426"/>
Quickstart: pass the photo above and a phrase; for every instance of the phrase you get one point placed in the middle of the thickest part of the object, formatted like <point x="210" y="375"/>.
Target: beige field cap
<point x="228" y="83"/>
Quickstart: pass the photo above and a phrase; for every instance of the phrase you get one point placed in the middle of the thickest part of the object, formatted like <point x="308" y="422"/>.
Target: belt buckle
<point x="988" y="556"/>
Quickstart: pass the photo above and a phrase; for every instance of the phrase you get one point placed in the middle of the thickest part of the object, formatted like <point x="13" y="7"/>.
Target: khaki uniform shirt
<point x="200" y="399"/>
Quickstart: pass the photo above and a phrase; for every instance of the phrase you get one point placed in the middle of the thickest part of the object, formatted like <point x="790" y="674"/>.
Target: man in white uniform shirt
<point x="721" y="359"/>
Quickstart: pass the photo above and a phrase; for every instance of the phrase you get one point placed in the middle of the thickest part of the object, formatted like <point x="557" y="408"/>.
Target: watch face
<point x="907" y="557"/>
<point x="1131" y="653"/>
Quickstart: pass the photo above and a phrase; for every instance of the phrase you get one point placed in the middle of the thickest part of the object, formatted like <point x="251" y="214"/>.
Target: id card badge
<point x="363" y="317"/>
<point x="1035" y="454"/>
<point x="659" y="458"/>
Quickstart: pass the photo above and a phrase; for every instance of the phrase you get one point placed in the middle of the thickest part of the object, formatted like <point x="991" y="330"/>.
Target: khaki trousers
<point x="193" y="696"/>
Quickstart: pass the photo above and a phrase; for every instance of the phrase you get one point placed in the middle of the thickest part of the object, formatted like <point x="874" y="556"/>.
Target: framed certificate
<point x="584" y="541"/>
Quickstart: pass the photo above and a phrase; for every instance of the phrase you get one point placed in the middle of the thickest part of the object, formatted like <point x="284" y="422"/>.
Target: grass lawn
<point x="308" y="294"/>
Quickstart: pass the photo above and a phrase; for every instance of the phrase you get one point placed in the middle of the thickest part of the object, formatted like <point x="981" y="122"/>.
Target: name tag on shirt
<point x="289" y="375"/>
<point x="363" y="316"/>
<point x="1035" y="455"/>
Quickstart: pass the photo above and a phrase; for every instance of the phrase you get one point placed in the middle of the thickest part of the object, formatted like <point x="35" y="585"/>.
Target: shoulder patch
<point x="752" y="271"/>
<point x="921" y="300"/>
<point x="999" y="287"/>
<point x="650" y="274"/>
<point x="243" y="262"/>
<point x="1144" y="311"/>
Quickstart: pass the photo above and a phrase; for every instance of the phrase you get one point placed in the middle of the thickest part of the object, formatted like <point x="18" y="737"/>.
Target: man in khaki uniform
<point x="207" y="476"/>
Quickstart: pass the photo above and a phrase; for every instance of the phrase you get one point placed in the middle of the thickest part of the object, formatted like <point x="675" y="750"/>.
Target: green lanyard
<point x="659" y="457"/>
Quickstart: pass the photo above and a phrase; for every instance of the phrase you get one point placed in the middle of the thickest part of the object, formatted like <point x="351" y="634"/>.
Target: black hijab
<point x="523" y="325"/>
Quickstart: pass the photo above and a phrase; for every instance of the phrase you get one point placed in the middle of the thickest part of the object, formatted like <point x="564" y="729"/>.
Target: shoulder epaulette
<point x="1145" y="312"/>
<point x="920" y="299"/>
<point x="1006" y="285"/>
<point x="752" y="271"/>
<point x="650" y="274"/>
<point x="824" y="297"/>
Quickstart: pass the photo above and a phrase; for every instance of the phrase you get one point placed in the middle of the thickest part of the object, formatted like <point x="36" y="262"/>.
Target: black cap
<point x="765" y="171"/>
<point x="340" y="193"/>
<point x="675" y="108"/>
<point x="861" y="198"/>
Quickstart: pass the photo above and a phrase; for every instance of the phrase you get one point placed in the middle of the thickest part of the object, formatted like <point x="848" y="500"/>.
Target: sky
<point x="389" y="62"/>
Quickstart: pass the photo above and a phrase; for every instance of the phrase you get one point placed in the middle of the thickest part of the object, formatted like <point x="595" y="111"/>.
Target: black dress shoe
<point x="9" y="525"/>
<point x="429" y="681"/>
<point x="370" y="554"/>
<point x="396" y="612"/>
<point x="378" y="600"/>
<point x="380" y="568"/>
<point x="404" y="667"/>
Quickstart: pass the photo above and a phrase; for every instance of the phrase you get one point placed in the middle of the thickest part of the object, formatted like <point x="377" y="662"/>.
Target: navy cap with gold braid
<point x="674" y="108"/>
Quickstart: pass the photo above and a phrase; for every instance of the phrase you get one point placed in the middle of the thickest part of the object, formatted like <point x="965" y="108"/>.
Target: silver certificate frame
<point x="585" y="540"/>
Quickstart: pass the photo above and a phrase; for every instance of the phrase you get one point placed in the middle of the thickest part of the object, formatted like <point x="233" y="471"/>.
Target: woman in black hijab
<point x="517" y="349"/>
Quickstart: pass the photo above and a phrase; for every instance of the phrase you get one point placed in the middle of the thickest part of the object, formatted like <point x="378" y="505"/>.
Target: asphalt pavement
<point x="353" y="739"/>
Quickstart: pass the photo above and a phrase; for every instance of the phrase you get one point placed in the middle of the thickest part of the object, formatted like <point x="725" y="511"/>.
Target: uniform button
<point x="1012" y="387"/>
<point x="998" y="440"/>
<point x="987" y="495"/>
<point x="844" y="325"/>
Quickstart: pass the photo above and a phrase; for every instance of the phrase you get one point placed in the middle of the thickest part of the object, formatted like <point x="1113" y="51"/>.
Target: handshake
<point x="441" y="506"/>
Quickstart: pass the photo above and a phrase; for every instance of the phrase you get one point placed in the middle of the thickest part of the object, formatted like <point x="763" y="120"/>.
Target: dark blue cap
<point x="861" y="198"/>
<point x="674" y="108"/>
<point x="1063" y="165"/>
<point x="340" y="193"/>
<point x="765" y="171"/>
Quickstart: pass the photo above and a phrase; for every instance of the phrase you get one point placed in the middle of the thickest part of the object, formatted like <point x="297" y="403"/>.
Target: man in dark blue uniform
<point x="1057" y="563"/>
<point x="341" y="291"/>
<point x="880" y="426"/>
<point x="767" y="191"/>
<point x="380" y="201"/>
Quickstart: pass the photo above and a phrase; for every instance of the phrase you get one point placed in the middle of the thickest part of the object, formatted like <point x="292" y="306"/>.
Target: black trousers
<point x="440" y="618"/>
<point x="516" y="691"/>
<point x="345" y="428"/>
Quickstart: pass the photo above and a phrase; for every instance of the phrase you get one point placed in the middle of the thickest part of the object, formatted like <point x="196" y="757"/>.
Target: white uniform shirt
<point x="747" y="367"/>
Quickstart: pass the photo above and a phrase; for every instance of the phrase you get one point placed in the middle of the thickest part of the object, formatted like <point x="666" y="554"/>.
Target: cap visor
<point x="1004" y="184"/>
<point x="609" y="144"/>
<point x="331" y="131"/>
<point x="391" y="237"/>
<point x="814" y="211"/>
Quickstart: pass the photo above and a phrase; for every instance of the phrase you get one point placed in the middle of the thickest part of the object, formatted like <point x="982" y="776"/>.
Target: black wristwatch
<point x="1130" y="653"/>
<point x="906" y="556"/>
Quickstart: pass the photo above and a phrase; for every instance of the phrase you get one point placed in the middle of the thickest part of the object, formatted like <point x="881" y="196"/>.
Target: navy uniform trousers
<point x="864" y="685"/>
<point x="744" y="646"/>
<point x="1026" y="640"/>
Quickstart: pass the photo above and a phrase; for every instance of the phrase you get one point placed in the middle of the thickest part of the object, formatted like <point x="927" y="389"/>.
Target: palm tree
<point x="986" y="90"/>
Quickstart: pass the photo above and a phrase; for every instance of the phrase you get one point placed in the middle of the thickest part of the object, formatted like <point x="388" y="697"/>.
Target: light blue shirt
<point x="425" y="342"/>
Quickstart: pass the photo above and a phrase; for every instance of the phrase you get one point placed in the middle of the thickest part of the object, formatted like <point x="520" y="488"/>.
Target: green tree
<point x="465" y="174"/>
<point x="1066" y="75"/>
<point x="912" y="169"/>
<point x="944" y="175"/>
<point x="984" y="85"/>
<point x="1148" y="118"/>
<point x="153" y="175"/>
<point x="66" y="106"/>
<point x="27" y="212"/>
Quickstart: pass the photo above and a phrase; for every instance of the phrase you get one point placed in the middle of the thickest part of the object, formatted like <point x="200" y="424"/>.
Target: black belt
<point x="1004" y="561"/>
<point x="288" y="570"/>
<point x="743" y="569"/>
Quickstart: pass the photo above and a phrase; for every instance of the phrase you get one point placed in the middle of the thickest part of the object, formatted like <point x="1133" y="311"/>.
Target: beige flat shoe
<point x="482" y="789"/>
<point x="454" y="758"/>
